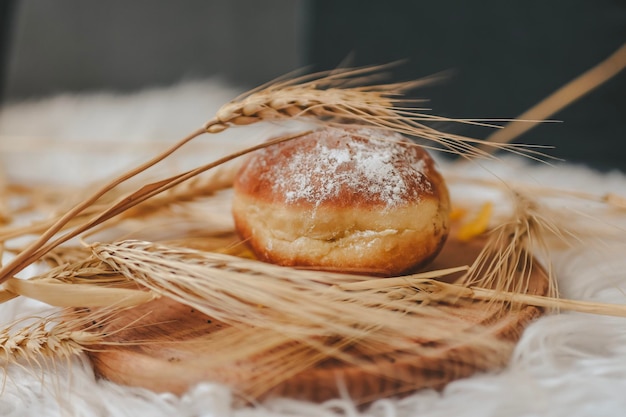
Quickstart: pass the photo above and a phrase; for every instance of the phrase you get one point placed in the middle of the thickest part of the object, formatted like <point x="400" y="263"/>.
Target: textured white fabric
<point x="569" y="364"/>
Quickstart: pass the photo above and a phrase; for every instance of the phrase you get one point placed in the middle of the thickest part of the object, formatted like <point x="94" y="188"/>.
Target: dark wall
<point x="79" y="45"/>
<point x="505" y="56"/>
<point x="6" y="26"/>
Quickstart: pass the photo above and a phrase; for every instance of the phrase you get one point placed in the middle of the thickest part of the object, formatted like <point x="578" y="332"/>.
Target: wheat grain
<point x="69" y="295"/>
<point x="325" y="97"/>
<point x="63" y="256"/>
<point x="45" y="244"/>
<point x="60" y="335"/>
<point x="424" y="289"/>
<point x="328" y="97"/>
<point x="101" y="287"/>
<point x="292" y="319"/>
<point x="198" y="187"/>
<point x="300" y="303"/>
<point x="217" y="179"/>
<point x="508" y="259"/>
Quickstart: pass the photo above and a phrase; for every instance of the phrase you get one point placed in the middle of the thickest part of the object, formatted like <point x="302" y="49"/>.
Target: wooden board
<point x="161" y="364"/>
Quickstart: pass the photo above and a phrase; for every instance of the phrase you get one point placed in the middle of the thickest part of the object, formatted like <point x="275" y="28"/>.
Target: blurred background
<point x="503" y="57"/>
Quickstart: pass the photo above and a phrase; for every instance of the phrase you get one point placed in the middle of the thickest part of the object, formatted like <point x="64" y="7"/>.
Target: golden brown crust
<point x="341" y="168"/>
<point x="351" y="200"/>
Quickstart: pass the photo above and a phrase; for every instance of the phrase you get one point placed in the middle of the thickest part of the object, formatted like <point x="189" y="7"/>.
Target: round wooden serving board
<point x="160" y="363"/>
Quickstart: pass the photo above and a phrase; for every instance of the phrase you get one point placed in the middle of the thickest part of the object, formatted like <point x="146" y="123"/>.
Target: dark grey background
<point x="505" y="56"/>
<point x="77" y="45"/>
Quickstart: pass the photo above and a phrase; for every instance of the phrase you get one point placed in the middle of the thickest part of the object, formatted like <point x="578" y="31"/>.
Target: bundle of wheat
<point x="273" y="323"/>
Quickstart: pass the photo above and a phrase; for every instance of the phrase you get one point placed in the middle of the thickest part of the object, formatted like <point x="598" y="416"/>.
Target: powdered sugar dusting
<point x="339" y="162"/>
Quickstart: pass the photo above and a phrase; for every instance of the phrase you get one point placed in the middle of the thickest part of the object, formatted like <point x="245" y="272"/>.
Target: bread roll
<point x="355" y="200"/>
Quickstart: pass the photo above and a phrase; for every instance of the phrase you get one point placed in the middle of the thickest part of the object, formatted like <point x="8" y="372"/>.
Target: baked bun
<point x="343" y="199"/>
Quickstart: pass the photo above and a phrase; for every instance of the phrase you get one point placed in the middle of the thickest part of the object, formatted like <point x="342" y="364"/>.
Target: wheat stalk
<point x="63" y="334"/>
<point x="63" y="256"/>
<point x="300" y="303"/>
<point x="321" y="96"/>
<point x="367" y="309"/>
<point x="43" y="245"/>
<point x="198" y="187"/>
<point x="68" y="295"/>
<point x="217" y="179"/>
<point x="299" y="317"/>
<point x="508" y="258"/>
<point x="563" y="97"/>
<point x="325" y="97"/>
<point x="56" y="287"/>
<point x="428" y="289"/>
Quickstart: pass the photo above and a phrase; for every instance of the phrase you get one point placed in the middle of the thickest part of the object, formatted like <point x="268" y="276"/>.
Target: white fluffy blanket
<point x="570" y="364"/>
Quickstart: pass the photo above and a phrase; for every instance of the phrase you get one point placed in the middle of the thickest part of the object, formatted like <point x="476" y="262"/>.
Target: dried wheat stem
<point x="101" y="286"/>
<point x="563" y="97"/>
<point x="202" y="186"/>
<point x="70" y="295"/>
<point x="329" y="97"/>
<point x="432" y="289"/>
<point x="25" y="258"/>
<point x="299" y="304"/>
<point x="506" y="262"/>
<point x="606" y="309"/>
<point x="43" y="245"/>
<point x="378" y="284"/>
<point x="220" y="178"/>
<point x="323" y="97"/>
<point x="56" y="336"/>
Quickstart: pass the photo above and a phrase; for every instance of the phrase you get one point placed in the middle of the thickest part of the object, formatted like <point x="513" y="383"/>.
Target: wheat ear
<point x="62" y="334"/>
<point x="43" y="245"/>
<point x="300" y="303"/>
<point x="102" y="287"/>
<point x="327" y="96"/>
<point x="428" y="289"/>
<point x="508" y="259"/>
<point x="198" y="187"/>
